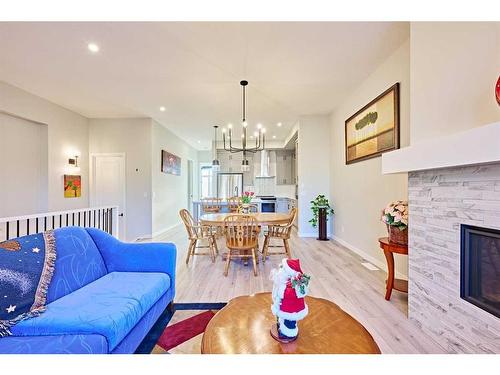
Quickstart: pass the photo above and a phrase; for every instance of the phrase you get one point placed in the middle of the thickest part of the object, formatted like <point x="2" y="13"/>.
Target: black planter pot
<point x="322" y="220"/>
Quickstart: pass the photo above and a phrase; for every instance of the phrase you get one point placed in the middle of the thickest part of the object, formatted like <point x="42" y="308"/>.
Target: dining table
<point x="262" y="218"/>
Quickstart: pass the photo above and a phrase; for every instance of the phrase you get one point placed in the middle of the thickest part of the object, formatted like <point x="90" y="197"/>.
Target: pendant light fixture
<point x="215" y="161"/>
<point x="260" y="138"/>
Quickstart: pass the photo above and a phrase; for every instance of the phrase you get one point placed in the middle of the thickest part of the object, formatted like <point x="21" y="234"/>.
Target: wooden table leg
<point x="390" y="274"/>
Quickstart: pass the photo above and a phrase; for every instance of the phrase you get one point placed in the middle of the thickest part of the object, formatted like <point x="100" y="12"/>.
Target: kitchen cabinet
<point x="285" y="167"/>
<point x="282" y="205"/>
<point x="231" y="163"/>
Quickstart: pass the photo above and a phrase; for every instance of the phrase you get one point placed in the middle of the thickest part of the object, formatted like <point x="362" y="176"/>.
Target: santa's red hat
<point x="291" y="266"/>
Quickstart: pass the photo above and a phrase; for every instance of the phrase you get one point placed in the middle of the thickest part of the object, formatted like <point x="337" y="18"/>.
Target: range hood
<point x="265" y="171"/>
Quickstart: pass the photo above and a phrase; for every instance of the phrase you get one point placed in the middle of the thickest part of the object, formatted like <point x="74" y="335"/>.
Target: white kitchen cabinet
<point x="285" y="167"/>
<point x="231" y="163"/>
<point x="282" y="205"/>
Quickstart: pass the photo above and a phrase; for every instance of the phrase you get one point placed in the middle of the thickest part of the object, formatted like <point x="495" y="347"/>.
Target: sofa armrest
<point x="135" y="257"/>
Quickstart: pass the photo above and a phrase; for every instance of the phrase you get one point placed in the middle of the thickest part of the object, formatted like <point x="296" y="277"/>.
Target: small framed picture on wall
<point x="170" y="163"/>
<point x="72" y="186"/>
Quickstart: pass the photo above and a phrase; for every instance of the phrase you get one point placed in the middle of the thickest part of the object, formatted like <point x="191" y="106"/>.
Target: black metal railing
<point x="104" y="218"/>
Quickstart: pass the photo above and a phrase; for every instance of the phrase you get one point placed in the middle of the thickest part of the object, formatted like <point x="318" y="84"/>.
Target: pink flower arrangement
<point x="396" y="214"/>
<point x="247" y="197"/>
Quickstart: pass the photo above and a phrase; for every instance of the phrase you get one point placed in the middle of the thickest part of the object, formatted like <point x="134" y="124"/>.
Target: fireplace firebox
<point x="480" y="267"/>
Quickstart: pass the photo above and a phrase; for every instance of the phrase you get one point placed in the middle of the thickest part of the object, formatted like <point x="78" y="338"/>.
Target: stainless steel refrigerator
<point x="229" y="185"/>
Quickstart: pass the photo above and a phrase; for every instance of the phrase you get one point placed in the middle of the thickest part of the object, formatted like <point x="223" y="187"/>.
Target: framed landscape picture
<point x="170" y="163"/>
<point x="72" y="186"/>
<point x="374" y="129"/>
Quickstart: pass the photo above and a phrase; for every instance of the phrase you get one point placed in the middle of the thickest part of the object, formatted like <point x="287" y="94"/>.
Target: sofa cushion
<point x="110" y="306"/>
<point x="78" y="262"/>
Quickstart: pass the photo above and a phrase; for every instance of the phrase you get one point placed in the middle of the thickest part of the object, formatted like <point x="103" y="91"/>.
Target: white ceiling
<point x="194" y="68"/>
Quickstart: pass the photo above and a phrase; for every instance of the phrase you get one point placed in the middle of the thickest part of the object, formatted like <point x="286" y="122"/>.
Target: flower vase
<point x="398" y="236"/>
<point x="245" y="207"/>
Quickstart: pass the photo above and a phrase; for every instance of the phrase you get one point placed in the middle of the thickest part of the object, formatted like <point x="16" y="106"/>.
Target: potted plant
<point x="395" y="217"/>
<point x="321" y="209"/>
<point x="246" y="199"/>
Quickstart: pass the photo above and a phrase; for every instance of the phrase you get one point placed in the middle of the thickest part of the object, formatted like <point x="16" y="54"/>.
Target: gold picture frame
<point x="374" y="129"/>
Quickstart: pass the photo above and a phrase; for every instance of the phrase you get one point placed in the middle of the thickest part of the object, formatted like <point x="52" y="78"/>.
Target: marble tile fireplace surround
<point x="440" y="201"/>
<point x="452" y="182"/>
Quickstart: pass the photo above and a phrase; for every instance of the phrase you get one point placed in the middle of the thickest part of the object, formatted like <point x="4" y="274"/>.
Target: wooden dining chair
<point x="280" y="232"/>
<point x="211" y="205"/>
<point x="233" y="204"/>
<point x="241" y="238"/>
<point x="198" y="233"/>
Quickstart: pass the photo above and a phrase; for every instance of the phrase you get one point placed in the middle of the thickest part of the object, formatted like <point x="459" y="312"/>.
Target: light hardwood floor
<point x="337" y="275"/>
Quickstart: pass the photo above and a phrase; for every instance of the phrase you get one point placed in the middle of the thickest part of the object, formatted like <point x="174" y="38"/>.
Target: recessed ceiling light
<point x="279" y="124"/>
<point x="274" y="137"/>
<point x="199" y="141"/>
<point x="94" y="48"/>
<point x="163" y="109"/>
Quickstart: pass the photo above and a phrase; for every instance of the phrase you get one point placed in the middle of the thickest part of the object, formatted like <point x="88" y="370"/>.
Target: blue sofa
<point x="104" y="297"/>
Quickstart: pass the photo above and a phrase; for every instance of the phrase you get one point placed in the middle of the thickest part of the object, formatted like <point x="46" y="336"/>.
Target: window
<point x="206" y="181"/>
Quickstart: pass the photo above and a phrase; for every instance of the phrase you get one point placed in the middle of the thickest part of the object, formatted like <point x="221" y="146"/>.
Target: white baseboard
<point x="365" y="255"/>
<point x="312" y="234"/>
<point x="142" y="238"/>
<point x="157" y="233"/>
<point x="165" y="230"/>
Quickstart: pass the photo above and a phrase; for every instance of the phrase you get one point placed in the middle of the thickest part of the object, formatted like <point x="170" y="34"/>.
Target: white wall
<point x="131" y="136"/>
<point x="313" y="167"/>
<point x="359" y="191"/>
<point x="170" y="193"/>
<point x="454" y="69"/>
<point x="23" y="172"/>
<point x="67" y="134"/>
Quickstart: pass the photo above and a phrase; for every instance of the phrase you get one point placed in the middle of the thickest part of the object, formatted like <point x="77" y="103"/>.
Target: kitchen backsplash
<point x="287" y="191"/>
<point x="267" y="186"/>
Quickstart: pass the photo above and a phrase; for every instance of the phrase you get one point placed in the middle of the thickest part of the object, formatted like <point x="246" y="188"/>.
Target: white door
<point x="108" y="185"/>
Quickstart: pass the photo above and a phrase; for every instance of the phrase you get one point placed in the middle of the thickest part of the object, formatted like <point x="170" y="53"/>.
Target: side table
<point x="389" y="249"/>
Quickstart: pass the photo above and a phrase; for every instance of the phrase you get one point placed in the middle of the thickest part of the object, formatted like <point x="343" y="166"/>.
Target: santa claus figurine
<point x="289" y="289"/>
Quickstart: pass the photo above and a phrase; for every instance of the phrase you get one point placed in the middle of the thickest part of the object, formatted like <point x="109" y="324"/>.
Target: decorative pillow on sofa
<point x="26" y="269"/>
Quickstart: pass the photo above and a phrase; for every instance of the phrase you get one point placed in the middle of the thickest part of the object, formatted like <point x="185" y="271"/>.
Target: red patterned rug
<point x="180" y="332"/>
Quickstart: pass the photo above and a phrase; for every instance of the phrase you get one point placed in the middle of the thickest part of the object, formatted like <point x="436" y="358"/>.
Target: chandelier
<point x="246" y="144"/>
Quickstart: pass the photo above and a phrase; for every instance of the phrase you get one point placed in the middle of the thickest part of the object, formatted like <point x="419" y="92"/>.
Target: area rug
<point x="180" y="331"/>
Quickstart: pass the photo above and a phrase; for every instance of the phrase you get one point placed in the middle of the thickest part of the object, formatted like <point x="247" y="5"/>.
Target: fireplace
<point x="480" y="267"/>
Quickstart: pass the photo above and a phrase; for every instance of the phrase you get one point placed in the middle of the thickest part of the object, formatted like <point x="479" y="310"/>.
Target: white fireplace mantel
<point x="474" y="146"/>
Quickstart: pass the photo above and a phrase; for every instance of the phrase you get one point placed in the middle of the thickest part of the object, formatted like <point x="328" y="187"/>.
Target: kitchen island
<point x="279" y="205"/>
<point x="198" y="211"/>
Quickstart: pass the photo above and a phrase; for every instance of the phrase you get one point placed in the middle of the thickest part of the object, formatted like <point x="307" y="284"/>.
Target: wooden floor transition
<point x="337" y="275"/>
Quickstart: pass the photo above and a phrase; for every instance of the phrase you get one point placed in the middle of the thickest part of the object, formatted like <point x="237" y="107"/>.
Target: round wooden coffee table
<point x="242" y="327"/>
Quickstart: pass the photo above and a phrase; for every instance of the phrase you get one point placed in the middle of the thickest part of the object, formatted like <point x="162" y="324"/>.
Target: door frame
<point x="190" y="182"/>
<point x="92" y="189"/>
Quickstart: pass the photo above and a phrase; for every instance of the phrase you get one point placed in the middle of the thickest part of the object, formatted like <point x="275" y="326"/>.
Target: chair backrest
<point x="293" y="215"/>
<point x="211" y="204"/>
<point x="241" y="231"/>
<point x="233" y="204"/>
<point x="188" y="221"/>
